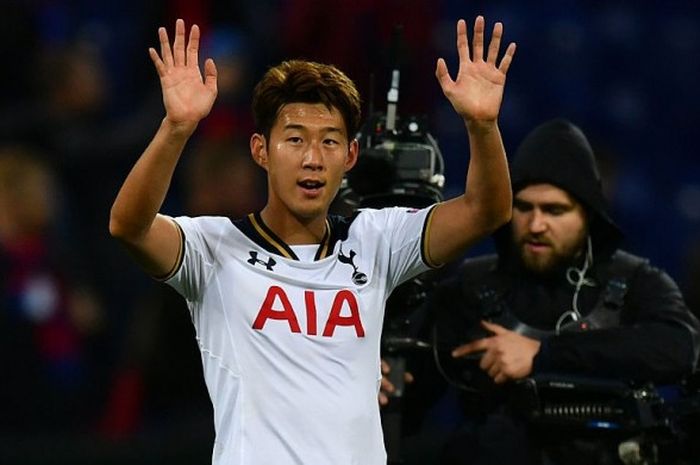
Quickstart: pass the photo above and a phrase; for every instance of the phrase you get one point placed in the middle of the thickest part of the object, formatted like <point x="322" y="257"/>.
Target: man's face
<point x="306" y="156"/>
<point x="549" y="227"/>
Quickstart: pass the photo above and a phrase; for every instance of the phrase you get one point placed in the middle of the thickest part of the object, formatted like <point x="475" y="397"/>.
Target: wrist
<point x="180" y="130"/>
<point x="481" y="126"/>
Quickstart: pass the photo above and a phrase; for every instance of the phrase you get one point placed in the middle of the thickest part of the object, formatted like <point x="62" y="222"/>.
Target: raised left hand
<point x="507" y="355"/>
<point x="477" y="93"/>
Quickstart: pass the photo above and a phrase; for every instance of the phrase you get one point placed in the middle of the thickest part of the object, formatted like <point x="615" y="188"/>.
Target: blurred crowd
<point x="94" y="350"/>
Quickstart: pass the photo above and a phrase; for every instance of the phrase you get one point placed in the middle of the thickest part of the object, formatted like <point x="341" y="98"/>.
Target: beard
<point x="554" y="258"/>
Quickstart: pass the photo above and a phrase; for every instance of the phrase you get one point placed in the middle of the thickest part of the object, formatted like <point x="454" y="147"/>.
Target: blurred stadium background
<point x="99" y="362"/>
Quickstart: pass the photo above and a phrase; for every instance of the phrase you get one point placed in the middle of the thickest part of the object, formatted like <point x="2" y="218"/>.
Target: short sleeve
<point x="200" y="238"/>
<point x="406" y="232"/>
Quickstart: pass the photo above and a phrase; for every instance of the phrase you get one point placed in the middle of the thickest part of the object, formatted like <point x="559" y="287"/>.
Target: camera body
<point x="402" y="166"/>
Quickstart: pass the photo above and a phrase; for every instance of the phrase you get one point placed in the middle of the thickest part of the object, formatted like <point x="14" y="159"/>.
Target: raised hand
<point x="187" y="96"/>
<point x="477" y="92"/>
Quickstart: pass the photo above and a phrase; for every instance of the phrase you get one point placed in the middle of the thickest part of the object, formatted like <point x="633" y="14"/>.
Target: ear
<point x="258" y="150"/>
<point x="351" y="158"/>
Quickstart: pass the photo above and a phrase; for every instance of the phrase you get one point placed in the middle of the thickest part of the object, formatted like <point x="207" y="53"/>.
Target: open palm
<point x="187" y="96"/>
<point x="477" y="92"/>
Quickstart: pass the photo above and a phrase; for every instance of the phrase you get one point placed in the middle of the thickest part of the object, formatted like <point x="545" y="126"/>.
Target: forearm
<point x="488" y="180"/>
<point x="652" y="352"/>
<point x="144" y="190"/>
<point x="486" y="204"/>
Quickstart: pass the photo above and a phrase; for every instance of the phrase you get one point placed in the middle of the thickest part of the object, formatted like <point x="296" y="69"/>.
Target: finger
<point x="487" y="361"/>
<point x="160" y="66"/>
<point x="179" y="43"/>
<point x="462" y="41"/>
<point x="478" y="42"/>
<point x="442" y="75"/>
<point x="386" y="385"/>
<point x="507" y="58"/>
<point x="493" y="327"/>
<point x="494" y="370"/>
<point x="165" y="51"/>
<point x="408" y="377"/>
<point x="474" y="346"/>
<point x="495" y="43"/>
<point x="500" y="378"/>
<point x="210" y="74"/>
<point x="193" y="47"/>
<point x="385" y="367"/>
<point x="383" y="399"/>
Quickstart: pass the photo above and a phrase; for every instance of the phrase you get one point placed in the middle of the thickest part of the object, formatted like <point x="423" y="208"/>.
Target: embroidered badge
<point x="358" y="277"/>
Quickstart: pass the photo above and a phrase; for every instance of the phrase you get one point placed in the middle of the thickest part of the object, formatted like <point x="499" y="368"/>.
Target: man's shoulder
<point x="206" y="224"/>
<point x="471" y="271"/>
<point x="626" y="258"/>
<point x="376" y="213"/>
<point x="475" y="267"/>
<point x="639" y="270"/>
<point x="625" y="265"/>
<point x="638" y="273"/>
<point x="488" y="260"/>
<point x="382" y="220"/>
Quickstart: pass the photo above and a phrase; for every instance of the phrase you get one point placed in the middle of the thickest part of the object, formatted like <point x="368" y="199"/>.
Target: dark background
<point x="80" y="98"/>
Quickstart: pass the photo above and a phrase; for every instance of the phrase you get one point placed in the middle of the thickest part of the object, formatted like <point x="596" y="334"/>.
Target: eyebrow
<point x="522" y="202"/>
<point x="325" y="129"/>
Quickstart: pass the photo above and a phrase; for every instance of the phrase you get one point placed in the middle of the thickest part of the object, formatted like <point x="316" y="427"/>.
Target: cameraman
<point x="578" y="305"/>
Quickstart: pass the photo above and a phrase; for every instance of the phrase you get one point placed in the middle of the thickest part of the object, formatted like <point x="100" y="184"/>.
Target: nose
<point x="538" y="222"/>
<point x="313" y="157"/>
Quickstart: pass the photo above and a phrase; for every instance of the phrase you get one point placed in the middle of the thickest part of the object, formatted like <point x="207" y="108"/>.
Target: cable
<point x="441" y="370"/>
<point x="577" y="277"/>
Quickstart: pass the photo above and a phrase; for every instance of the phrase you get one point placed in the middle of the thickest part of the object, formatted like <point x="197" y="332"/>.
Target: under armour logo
<point x="255" y="260"/>
<point x="358" y="277"/>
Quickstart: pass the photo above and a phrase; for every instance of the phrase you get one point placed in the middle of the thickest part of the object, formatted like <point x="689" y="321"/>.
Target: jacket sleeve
<point x="657" y="339"/>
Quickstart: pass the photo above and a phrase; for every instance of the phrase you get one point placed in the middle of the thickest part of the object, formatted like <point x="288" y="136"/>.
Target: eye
<point x="294" y="139"/>
<point x="331" y="142"/>
<point x="556" y="210"/>
<point x="522" y="206"/>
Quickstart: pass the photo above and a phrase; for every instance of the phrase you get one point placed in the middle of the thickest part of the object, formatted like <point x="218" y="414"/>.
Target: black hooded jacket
<point x="653" y="336"/>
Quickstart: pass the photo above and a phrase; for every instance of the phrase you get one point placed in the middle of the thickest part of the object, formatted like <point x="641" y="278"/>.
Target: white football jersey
<point x="290" y="348"/>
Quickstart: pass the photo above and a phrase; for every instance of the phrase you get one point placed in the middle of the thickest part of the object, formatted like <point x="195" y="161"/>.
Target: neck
<point x="294" y="230"/>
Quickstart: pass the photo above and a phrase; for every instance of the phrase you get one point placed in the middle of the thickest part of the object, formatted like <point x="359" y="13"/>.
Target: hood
<point x="558" y="153"/>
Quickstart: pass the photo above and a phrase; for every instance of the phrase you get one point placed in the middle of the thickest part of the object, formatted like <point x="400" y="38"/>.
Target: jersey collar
<point x="256" y="229"/>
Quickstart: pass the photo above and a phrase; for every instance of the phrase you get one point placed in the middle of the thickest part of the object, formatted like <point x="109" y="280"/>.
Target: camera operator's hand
<point x="506" y="355"/>
<point x="386" y="387"/>
<point x="477" y="92"/>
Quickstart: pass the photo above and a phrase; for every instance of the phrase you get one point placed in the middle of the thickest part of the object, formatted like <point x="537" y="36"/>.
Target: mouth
<point x="311" y="187"/>
<point x="536" y="246"/>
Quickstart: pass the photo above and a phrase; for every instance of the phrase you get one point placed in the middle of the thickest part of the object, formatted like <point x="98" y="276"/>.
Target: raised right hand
<point x="477" y="92"/>
<point x="187" y="96"/>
